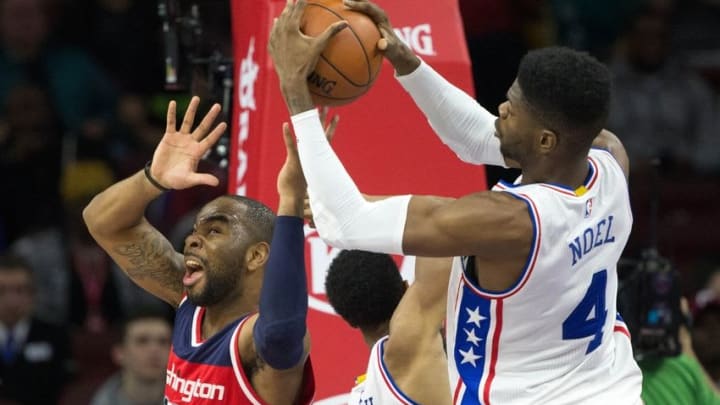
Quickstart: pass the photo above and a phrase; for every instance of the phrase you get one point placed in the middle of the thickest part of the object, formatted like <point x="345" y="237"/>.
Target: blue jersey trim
<point x="533" y="250"/>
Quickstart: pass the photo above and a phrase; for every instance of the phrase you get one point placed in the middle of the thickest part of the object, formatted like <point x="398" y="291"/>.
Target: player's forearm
<point x="121" y="206"/>
<point x="297" y="96"/>
<point x="343" y="218"/>
<point x="291" y="204"/>
<point x="461" y="123"/>
<point x="280" y="329"/>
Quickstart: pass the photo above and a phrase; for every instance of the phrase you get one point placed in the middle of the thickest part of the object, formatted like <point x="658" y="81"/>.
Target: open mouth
<point x="194" y="271"/>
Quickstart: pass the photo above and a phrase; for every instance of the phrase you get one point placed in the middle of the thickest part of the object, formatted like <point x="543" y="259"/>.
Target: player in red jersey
<point x="240" y="335"/>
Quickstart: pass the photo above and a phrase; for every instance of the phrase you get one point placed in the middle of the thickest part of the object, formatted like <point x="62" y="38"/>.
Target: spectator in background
<point x="78" y="88"/>
<point x="710" y="294"/>
<point x="142" y="354"/>
<point x="680" y="379"/>
<point x="30" y="160"/>
<point x="101" y="292"/>
<point x="31" y="208"/>
<point x="592" y="26"/>
<point x="705" y="338"/>
<point x="663" y="109"/>
<point x="35" y="360"/>
<point x="121" y="33"/>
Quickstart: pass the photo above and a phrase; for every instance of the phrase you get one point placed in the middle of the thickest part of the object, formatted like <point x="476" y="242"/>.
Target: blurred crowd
<point x="82" y="103"/>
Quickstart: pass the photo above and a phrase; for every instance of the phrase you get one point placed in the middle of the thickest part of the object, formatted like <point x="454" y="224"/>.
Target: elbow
<point x="90" y="217"/>
<point x="281" y="344"/>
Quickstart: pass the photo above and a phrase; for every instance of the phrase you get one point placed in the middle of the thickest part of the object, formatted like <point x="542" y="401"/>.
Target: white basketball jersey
<point x="555" y="336"/>
<point x="377" y="386"/>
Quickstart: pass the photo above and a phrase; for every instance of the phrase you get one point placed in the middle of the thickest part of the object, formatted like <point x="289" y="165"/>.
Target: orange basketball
<point x="351" y="62"/>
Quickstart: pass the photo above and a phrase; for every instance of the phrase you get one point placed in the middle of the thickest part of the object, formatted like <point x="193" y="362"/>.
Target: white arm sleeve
<point x="344" y="219"/>
<point x="461" y="123"/>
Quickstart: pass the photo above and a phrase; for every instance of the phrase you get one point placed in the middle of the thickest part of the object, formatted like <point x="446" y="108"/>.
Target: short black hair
<point x="140" y="313"/>
<point x="11" y="262"/>
<point x="569" y="91"/>
<point x="258" y="216"/>
<point x="364" y="288"/>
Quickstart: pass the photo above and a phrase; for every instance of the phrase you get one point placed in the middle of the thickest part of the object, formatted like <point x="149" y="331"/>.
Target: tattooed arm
<point x="116" y="216"/>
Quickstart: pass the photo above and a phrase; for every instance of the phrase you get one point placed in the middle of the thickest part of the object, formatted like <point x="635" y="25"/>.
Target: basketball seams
<point x="345" y="71"/>
<point x="357" y="40"/>
<point x="340" y="72"/>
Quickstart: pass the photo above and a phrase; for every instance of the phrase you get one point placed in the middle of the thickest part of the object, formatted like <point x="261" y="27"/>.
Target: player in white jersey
<point x="401" y="325"/>
<point x="555" y="329"/>
<point x="534" y="298"/>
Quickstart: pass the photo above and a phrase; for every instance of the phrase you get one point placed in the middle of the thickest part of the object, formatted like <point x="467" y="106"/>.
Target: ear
<point x="548" y="141"/>
<point x="257" y="255"/>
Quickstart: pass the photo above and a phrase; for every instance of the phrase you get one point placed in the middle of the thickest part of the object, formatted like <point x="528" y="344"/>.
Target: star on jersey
<point x="475" y="316"/>
<point x="469" y="356"/>
<point x="471" y="337"/>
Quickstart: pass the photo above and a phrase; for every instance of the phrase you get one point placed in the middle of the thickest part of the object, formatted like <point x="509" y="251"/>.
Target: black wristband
<point x="151" y="179"/>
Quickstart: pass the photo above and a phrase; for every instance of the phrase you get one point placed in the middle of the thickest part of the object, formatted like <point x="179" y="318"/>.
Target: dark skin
<point x="435" y="226"/>
<point x="223" y="263"/>
<point x="414" y="351"/>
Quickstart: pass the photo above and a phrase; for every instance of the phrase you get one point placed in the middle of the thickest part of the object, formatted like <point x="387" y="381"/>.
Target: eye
<point x="214" y="230"/>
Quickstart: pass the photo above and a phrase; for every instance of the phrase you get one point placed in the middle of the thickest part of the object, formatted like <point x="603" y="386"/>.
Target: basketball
<point x="351" y="62"/>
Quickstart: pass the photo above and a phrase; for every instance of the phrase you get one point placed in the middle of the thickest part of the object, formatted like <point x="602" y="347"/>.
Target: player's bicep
<point x="148" y="258"/>
<point x="491" y="224"/>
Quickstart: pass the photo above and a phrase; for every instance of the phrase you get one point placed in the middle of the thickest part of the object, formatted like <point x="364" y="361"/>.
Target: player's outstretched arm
<point x="414" y="351"/>
<point x="280" y="328"/>
<point x="280" y="339"/>
<point x="417" y="225"/>
<point x="459" y="120"/>
<point x="115" y="217"/>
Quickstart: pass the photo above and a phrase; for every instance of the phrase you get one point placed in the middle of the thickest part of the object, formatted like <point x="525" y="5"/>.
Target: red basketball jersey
<point x="203" y="372"/>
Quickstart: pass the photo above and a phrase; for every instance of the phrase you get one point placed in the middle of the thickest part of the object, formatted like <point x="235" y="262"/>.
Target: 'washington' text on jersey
<point x="591" y="238"/>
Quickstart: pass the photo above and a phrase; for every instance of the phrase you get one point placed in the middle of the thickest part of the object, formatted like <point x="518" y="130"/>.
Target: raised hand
<point x="176" y="158"/>
<point x="392" y="47"/>
<point x="291" y="181"/>
<point x="296" y="54"/>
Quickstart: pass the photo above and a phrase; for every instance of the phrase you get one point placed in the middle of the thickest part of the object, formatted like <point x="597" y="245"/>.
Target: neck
<point x="228" y="310"/>
<point x="142" y="390"/>
<point x="572" y="174"/>
<point x="372" y="335"/>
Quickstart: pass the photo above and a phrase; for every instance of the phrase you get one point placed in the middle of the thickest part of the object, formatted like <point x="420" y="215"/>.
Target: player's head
<point x="17" y="290"/>
<point x="227" y="249"/>
<point x="364" y="288"/>
<point x="143" y="345"/>
<point x="556" y="107"/>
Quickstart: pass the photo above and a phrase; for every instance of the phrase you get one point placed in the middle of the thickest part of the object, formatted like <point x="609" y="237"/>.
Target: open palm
<point x="176" y="158"/>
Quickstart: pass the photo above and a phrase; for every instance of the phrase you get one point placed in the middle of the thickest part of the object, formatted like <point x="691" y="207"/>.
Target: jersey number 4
<point x="588" y="318"/>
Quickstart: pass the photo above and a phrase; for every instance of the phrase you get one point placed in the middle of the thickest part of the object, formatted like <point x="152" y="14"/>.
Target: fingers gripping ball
<point x="351" y="62"/>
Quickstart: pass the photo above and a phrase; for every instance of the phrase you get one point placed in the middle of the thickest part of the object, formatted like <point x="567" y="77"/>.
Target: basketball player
<point x="401" y="326"/>
<point x="223" y="350"/>
<point x="531" y="314"/>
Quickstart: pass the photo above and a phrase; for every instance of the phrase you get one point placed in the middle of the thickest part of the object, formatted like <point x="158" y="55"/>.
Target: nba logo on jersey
<point x="588" y="207"/>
